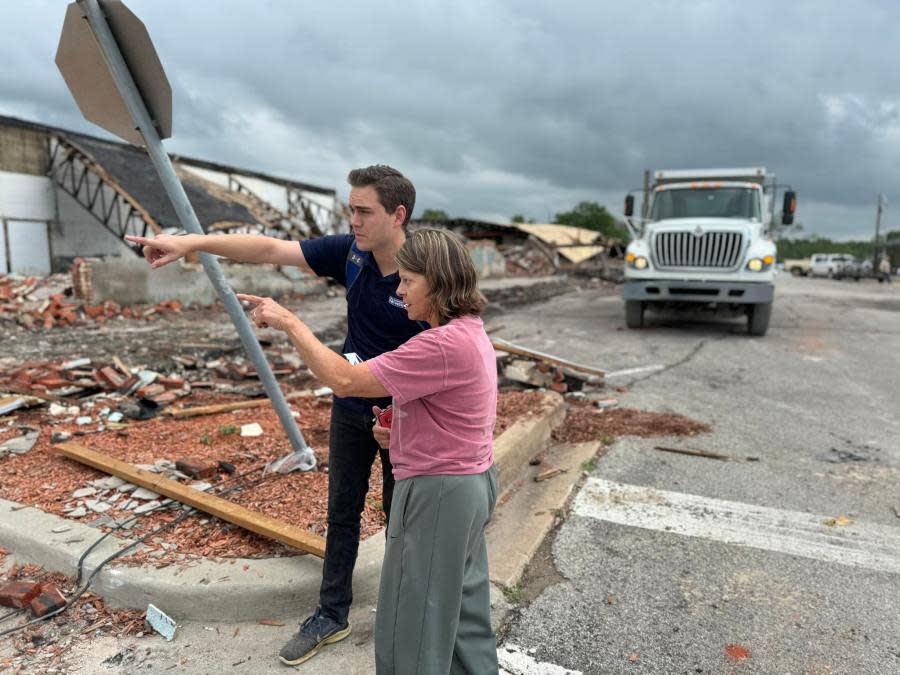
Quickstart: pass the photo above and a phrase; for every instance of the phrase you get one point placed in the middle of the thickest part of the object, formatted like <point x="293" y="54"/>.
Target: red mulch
<point x="44" y="479"/>
<point x="585" y="423"/>
<point x="516" y="405"/>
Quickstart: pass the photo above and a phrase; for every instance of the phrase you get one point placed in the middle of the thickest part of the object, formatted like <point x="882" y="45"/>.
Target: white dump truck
<point x="705" y="238"/>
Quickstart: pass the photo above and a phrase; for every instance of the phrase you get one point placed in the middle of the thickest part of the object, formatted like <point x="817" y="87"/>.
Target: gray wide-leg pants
<point x="434" y="606"/>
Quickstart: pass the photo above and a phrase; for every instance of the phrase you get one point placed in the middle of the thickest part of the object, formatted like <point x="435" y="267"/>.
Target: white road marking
<point x="516" y="661"/>
<point x="634" y="371"/>
<point x="867" y="545"/>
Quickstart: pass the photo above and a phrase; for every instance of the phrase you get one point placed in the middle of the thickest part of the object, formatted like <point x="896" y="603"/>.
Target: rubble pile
<point x="527" y="260"/>
<point x="82" y="378"/>
<point x="41" y="303"/>
<point x="533" y="373"/>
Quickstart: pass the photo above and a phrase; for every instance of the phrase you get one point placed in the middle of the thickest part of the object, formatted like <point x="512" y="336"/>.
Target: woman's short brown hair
<point x="442" y="258"/>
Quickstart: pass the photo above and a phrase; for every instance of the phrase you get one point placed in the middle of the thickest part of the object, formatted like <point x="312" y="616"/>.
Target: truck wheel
<point x="758" y="318"/>
<point x="796" y="272"/>
<point x="634" y="313"/>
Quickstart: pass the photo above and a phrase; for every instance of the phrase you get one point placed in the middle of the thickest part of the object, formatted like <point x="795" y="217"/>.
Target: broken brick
<point x="52" y="382"/>
<point x="560" y="387"/>
<point x="49" y="600"/>
<point x="19" y="593"/>
<point x="167" y="397"/>
<point x="151" y="390"/>
<point x="198" y="468"/>
<point x="95" y="311"/>
<point x="110" y="377"/>
<point x="172" y="382"/>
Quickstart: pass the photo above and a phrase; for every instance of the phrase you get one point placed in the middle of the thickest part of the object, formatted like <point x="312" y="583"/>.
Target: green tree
<point x="519" y="218"/>
<point x="434" y="214"/>
<point x="592" y="216"/>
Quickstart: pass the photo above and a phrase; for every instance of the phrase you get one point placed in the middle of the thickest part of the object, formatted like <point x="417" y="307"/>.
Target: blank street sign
<point x="81" y="63"/>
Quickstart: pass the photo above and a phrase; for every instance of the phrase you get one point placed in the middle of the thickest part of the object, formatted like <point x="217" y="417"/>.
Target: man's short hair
<point x="442" y="258"/>
<point x="392" y="187"/>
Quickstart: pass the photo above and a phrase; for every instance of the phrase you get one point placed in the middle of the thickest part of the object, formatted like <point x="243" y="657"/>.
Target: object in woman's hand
<point x="385" y="417"/>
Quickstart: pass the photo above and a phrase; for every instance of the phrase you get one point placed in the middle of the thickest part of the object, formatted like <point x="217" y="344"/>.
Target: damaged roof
<point x="133" y="170"/>
<point x="575" y="244"/>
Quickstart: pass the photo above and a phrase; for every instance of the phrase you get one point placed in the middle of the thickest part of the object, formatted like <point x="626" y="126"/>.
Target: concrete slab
<point x="241" y="589"/>
<point x="524" y="439"/>
<point x="129" y="280"/>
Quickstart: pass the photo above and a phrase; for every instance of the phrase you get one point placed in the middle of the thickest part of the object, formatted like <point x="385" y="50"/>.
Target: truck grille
<point x="719" y="250"/>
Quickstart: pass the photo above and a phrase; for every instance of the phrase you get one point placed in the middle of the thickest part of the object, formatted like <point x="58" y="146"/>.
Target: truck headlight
<point x="638" y="262"/>
<point x="760" y="264"/>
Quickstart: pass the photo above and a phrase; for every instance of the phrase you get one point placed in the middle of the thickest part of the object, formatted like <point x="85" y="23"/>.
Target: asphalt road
<point x="788" y="564"/>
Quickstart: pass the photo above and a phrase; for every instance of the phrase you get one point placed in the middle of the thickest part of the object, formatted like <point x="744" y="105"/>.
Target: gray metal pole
<point x="138" y="111"/>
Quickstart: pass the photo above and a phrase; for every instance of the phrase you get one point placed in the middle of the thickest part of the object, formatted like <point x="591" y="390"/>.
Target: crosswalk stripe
<point x="867" y="545"/>
<point x="516" y="661"/>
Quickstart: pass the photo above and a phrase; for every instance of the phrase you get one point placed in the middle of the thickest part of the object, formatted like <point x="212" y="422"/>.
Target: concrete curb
<point x="238" y="589"/>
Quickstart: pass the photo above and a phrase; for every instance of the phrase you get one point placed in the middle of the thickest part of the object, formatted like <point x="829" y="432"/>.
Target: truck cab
<point x="706" y="239"/>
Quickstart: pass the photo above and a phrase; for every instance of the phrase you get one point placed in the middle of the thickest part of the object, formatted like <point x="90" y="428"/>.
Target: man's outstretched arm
<point x="248" y="248"/>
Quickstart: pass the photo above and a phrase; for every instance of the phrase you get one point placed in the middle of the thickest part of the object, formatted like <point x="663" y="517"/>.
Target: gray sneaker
<point x="316" y="632"/>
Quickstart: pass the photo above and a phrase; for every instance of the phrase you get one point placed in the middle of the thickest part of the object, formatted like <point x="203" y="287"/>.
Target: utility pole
<point x="645" y="204"/>
<point x="881" y="200"/>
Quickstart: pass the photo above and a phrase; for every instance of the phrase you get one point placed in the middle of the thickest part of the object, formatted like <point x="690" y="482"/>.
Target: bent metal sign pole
<point x="115" y="92"/>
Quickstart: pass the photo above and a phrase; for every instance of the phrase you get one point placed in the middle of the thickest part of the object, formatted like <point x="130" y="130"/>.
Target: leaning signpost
<point x="109" y="63"/>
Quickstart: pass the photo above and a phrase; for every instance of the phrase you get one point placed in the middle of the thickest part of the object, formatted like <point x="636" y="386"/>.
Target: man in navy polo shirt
<point x="381" y="203"/>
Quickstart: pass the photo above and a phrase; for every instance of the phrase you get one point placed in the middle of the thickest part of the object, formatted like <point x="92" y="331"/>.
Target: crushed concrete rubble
<point x="529" y="259"/>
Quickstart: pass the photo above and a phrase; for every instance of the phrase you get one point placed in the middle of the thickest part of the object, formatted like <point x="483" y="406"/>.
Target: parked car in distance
<point x="798" y="267"/>
<point x="828" y="264"/>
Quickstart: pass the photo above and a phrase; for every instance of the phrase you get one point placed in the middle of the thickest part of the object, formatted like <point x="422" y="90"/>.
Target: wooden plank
<point x="214" y="409"/>
<point x="250" y="520"/>
<point x="518" y="350"/>
<point x="705" y="453"/>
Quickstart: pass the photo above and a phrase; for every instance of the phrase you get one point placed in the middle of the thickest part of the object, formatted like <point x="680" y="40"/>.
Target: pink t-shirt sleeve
<point x="414" y="370"/>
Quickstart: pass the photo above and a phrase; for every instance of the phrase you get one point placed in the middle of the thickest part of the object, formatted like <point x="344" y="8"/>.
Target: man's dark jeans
<point x="352" y="451"/>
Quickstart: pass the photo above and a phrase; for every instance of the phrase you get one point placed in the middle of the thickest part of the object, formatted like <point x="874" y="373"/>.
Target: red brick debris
<point x="43" y="647"/>
<point x="61" y="379"/>
<point x="41" y="303"/>
<point x="19" y="594"/>
<point x="48" y="600"/>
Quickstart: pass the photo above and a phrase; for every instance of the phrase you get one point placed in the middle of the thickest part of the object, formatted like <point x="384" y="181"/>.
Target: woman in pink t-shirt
<point x="434" y="600"/>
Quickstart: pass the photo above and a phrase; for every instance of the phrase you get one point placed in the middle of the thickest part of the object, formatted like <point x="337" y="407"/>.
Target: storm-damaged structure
<point x="65" y="194"/>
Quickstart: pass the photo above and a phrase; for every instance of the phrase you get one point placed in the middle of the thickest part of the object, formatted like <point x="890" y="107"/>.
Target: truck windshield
<point x="723" y="202"/>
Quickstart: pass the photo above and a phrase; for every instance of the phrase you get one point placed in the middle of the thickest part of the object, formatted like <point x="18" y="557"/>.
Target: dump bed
<point x="755" y="174"/>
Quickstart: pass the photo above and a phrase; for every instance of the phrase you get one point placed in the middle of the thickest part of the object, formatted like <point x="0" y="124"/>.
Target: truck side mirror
<point x="629" y="205"/>
<point x="787" y="210"/>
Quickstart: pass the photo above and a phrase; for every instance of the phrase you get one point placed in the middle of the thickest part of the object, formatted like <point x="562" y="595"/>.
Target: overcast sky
<point x="496" y="108"/>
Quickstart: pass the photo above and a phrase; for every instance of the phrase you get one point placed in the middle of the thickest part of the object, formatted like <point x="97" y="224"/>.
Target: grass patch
<point x="514" y="594"/>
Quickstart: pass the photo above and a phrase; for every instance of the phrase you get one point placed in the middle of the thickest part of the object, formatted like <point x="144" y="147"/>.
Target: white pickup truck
<point x="830" y="265"/>
<point x="706" y="240"/>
